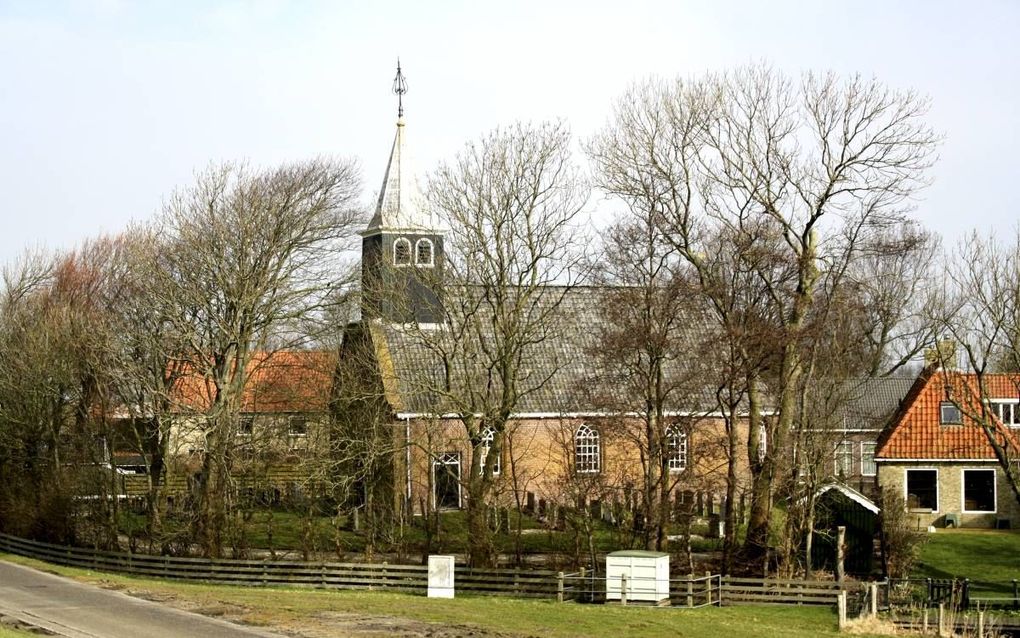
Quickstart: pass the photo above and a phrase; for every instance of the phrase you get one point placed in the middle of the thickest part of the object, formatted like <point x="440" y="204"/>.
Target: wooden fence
<point x="584" y="586"/>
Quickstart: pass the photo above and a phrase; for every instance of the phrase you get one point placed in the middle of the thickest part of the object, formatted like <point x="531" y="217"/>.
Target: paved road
<point x="83" y="611"/>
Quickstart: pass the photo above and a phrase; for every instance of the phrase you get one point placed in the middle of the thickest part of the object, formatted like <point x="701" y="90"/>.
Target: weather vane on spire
<point x="399" y="88"/>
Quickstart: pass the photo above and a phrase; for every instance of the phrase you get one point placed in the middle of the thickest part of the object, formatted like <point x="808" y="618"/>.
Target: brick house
<point x="283" y="415"/>
<point x="938" y="456"/>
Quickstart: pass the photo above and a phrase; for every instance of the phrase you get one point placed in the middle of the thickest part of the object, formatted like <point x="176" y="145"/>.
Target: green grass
<point x="989" y="558"/>
<point x="313" y="611"/>
<point x="11" y="632"/>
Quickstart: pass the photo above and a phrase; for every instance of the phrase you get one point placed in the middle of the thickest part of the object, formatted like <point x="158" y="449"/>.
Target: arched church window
<point x="423" y="252"/>
<point x="488" y="437"/>
<point x="586" y="450"/>
<point x="402" y="252"/>
<point x="676" y="448"/>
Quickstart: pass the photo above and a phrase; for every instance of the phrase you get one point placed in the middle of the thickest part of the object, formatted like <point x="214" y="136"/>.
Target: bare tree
<point x="511" y="201"/>
<point x="805" y="169"/>
<point x="977" y="315"/>
<point x="249" y="255"/>
<point x="648" y="357"/>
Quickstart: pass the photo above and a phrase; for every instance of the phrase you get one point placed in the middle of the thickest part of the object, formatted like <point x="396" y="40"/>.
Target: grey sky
<point x="107" y="105"/>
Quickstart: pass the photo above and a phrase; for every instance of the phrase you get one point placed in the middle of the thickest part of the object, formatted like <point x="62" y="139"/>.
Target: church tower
<point x="402" y="248"/>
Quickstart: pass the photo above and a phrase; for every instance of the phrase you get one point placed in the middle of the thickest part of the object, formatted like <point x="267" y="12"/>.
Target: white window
<point x="979" y="491"/>
<point x="586" y="450"/>
<point x="676" y="448"/>
<point x="424" y="253"/>
<point x="1008" y="412"/>
<point x="488" y="436"/>
<point x="922" y="490"/>
<point x="402" y="252"/>
<point x="844" y="458"/>
<point x="949" y="413"/>
<point x="246" y="425"/>
<point x="868" y="466"/>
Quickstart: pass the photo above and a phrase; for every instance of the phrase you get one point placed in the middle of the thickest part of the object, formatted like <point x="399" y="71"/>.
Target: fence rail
<point x="584" y="586"/>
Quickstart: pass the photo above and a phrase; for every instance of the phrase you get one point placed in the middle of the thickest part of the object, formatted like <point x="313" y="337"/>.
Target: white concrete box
<point x="647" y="576"/>
<point x="440" y="577"/>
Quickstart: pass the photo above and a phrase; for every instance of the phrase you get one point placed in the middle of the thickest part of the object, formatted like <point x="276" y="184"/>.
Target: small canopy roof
<point x="851" y="494"/>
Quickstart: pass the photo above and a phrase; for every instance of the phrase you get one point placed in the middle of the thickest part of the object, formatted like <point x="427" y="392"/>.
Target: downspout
<point x="407" y="460"/>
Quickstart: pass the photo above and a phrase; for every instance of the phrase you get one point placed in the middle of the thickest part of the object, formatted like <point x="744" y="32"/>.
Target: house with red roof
<point x="945" y="447"/>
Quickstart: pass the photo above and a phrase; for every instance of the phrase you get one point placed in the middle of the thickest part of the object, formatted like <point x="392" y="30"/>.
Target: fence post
<point x="559" y="587"/>
<point x="590" y="590"/>
<point x="873" y="592"/>
<point x="690" y="590"/>
<point x="623" y="589"/>
<point x="1016" y="595"/>
<point x="942" y="620"/>
<point x="708" y="588"/>
<point x="981" y="625"/>
<point x="924" y="623"/>
<point x="841" y="609"/>
<point x="718" y="598"/>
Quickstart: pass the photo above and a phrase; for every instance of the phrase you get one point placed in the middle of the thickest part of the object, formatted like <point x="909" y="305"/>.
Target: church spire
<point x="398" y="207"/>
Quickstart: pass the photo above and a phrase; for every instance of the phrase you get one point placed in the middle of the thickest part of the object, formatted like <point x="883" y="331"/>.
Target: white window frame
<point x="587" y="446"/>
<point x="874" y="465"/>
<point x="290" y="426"/>
<point x="249" y="418"/>
<point x="963" y="490"/>
<point x="844" y="451"/>
<point x="676" y="448"/>
<point x="942" y="413"/>
<point x="424" y="241"/>
<point x="445" y="459"/>
<point x="906" y="494"/>
<point x="998" y="407"/>
<point x="403" y="241"/>
<point x="487" y="439"/>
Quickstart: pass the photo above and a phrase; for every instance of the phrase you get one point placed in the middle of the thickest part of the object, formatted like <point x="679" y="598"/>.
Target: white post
<point x="623" y="589"/>
<point x="873" y="592"/>
<point x="840" y="605"/>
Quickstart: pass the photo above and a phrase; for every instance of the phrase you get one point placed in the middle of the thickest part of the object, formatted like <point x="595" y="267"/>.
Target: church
<point x="563" y="442"/>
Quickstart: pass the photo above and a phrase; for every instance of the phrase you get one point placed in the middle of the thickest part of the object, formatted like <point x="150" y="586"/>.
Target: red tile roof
<point x="284" y="381"/>
<point x="917" y="431"/>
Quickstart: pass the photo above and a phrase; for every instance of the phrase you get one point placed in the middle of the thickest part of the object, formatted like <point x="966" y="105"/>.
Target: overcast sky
<point x="106" y="105"/>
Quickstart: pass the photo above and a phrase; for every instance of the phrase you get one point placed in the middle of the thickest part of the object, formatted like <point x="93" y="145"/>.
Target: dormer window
<point x="402" y="252"/>
<point x="423" y="253"/>
<point x="949" y="413"/>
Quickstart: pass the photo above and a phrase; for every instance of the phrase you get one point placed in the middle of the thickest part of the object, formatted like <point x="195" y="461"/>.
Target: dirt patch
<point x="335" y="623"/>
<point x="14" y="623"/>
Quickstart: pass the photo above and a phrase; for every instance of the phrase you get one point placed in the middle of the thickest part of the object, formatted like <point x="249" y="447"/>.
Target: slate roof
<point x="561" y="374"/>
<point x="918" y="433"/>
<point x="873" y="401"/>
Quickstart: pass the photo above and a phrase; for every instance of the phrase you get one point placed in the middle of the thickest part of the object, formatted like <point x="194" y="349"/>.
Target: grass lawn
<point x="989" y="558"/>
<point x="310" y="612"/>
<point x="10" y="632"/>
